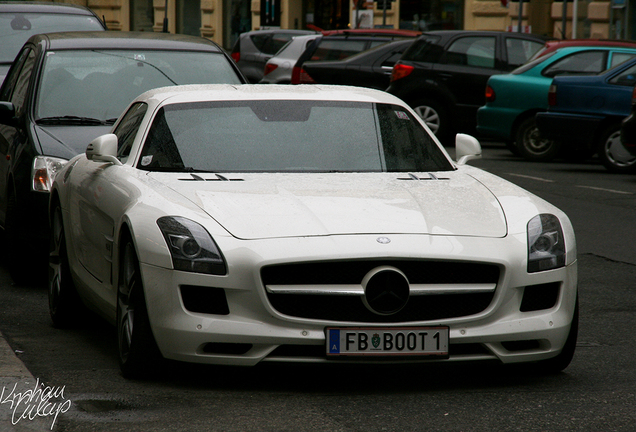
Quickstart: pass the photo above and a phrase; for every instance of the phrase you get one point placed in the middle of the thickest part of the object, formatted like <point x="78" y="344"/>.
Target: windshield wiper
<point x="76" y="120"/>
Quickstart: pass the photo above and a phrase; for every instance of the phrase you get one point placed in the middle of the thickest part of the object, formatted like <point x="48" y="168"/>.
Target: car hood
<point x="256" y="206"/>
<point x="67" y="141"/>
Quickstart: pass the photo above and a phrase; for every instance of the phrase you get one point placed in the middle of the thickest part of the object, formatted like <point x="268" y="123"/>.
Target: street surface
<point x="597" y="392"/>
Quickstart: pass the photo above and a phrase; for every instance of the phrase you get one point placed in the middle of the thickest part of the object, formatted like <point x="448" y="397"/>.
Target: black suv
<point x="443" y="74"/>
<point x="342" y="44"/>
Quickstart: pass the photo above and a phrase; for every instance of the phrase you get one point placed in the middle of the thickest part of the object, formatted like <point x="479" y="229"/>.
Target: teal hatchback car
<point x="513" y="99"/>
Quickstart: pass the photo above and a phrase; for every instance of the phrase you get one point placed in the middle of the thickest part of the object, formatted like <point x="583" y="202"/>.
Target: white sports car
<point x="229" y="224"/>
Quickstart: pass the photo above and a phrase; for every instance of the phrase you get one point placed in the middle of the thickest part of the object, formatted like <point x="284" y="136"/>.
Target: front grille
<point x="352" y="309"/>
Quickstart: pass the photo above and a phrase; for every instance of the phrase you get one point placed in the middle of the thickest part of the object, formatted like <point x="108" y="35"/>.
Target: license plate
<point x="373" y="341"/>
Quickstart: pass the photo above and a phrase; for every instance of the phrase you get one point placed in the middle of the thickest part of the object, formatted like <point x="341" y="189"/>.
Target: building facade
<point x="223" y="20"/>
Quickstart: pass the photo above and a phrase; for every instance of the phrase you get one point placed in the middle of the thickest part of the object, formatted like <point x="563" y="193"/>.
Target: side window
<point x="520" y="50"/>
<point x="337" y="49"/>
<point x="618" y="58"/>
<point x="472" y="51"/>
<point x="586" y="62"/>
<point x="260" y="40"/>
<point x="276" y="42"/>
<point x="126" y="130"/>
<point x="14" y="72"/>
<point x="424" y="49"/>
<point x="374" y="44"/>
<point x="625" y="78"/>
<point x="18" y="98"/>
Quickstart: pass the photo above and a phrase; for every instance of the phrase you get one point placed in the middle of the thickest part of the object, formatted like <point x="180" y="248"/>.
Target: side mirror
<point x="466" y="148"/>
<point x="103" y="149"/>
<point x="7" y="113"/>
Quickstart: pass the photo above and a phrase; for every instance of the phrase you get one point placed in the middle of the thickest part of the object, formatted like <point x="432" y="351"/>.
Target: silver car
<point x="278" y="69"/>
<point x="252" y="49"/>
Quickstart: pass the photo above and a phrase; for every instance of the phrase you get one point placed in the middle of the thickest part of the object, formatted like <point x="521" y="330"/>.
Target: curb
<point x="16" y="378"/>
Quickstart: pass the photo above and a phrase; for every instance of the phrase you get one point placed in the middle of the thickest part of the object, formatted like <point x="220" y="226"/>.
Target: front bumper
<point x="252" y="330"/>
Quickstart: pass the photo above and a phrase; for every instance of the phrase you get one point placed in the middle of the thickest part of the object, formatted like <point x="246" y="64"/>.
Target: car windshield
<point x="99" y="84"/>
<point x="15" y="29"/>
<point x="289" y="136"/>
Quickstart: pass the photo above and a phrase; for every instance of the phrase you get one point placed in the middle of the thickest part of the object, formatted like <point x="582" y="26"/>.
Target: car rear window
<point x="338" y="49"/>
<point x="424" y="49"/>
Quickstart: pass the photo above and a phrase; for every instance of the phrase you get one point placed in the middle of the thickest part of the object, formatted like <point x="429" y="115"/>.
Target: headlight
<point x="546" y="246"/>
<point x="191" y="246"/>
<point x="44" y="170"/>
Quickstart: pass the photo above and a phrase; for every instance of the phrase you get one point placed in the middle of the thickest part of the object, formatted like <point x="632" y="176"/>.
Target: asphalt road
<point x="596" y="393"/>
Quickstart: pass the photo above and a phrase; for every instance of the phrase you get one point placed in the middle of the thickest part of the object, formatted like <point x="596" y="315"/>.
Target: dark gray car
<point x="21" y="20"/>
<point x="64" y="90"/>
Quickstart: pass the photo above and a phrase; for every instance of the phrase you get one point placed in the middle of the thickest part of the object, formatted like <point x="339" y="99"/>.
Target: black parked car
<point x="21" y="20"/>
<point x="371" y="68"/>
<point x="628" y="128"/>
<point x="341" y="44"/>
<point x="444" y="73"/>
<point x="65" y="89"/>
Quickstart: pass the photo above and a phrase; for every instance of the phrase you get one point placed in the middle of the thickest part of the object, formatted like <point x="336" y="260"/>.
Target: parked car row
<point x="495" y="84"/>
<point x="124" y="165"/>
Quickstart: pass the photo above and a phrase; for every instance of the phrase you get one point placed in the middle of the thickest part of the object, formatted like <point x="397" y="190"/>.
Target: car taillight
<point x="269" y="67"/>
<point x="236" y="56"/>
<point x="400" y="71"/>
<point x="305" y="78"/>
<point x="295" y="79"/>
<point x="552" y="95"/>
<point x="490" y="94"/>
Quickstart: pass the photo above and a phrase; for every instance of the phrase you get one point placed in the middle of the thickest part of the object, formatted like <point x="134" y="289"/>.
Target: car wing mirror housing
<point x="7" y="114"/>
<point x="466" y="148"/>
<point x="103" y="149"/>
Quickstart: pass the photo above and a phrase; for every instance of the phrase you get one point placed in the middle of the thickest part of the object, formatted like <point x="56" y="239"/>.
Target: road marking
<point x="532" y="178"/>
<point x="606" y="190"/>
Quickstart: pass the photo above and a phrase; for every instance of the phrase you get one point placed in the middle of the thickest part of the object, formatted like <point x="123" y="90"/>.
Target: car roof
<point x="287" y="31"/>
<point x="228" y="92"/>
<point x="554" y="45"/>
<point x="44" y="7"/>
<point x="452" y="33"/>
<point x="124" y="40"/>
<point x="373" y="32"/>
<point x="572" y="49"/>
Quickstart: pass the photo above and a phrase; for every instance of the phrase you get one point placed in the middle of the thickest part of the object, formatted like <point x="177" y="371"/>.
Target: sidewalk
<point x="13" y="373"/>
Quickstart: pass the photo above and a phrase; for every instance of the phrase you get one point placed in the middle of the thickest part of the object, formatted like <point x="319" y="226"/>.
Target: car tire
<point x="65" y="305"/>
<point x="531" y="145"/>
<point x="139" y="355"/>
<point x="564" y="358"/>
<point x="613" y="154"/>
<point x="434" y="115"/>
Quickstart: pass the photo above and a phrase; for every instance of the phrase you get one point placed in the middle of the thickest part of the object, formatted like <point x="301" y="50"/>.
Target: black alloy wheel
<point x="65" y="306"/>
<point x="139" y="355"/>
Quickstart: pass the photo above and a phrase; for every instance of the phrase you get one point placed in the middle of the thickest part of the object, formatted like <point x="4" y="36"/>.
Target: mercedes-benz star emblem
<point x="386" y="290"/>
